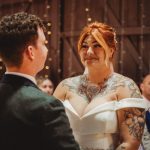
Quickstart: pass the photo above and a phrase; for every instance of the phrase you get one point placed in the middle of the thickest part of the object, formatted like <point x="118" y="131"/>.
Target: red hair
<point x="104" y="34"/>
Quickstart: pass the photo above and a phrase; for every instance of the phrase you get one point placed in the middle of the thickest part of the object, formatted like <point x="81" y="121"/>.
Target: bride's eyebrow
<point x="95" y="42"/>
<point x="84" y="42"/>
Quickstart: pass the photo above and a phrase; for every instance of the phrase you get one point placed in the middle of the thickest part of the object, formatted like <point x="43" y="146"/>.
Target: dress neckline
<point x="111" y="105"/>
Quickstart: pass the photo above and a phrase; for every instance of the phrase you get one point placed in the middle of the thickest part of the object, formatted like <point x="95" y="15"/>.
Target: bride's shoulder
<point x="121" y="79"/>
<point x="130" y="103"/>
<point x="72" y="81"/>
<point x="126" y="87"/>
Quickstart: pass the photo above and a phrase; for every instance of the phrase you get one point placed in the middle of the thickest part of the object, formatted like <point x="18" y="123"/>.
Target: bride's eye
<point x="84" y="46"/>
<point x="97" y="46"/>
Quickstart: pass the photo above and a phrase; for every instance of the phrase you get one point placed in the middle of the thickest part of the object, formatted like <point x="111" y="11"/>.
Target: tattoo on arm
<point x="121" y="147"/>
<point x="120" y="81"/>
<point x="134" y="90"/>
<point x="134" y="120"/>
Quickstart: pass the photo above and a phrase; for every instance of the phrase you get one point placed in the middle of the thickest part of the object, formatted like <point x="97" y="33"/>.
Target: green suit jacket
<point x="30" y="119"/>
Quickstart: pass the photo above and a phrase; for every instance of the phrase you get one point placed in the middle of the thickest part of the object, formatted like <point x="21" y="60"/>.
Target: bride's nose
<point x="90" y="51"/>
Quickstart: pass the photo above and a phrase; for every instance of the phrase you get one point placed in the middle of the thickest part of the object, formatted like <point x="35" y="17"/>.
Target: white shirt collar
<point x="23" y="75"/>
<point x="147" y="102"/>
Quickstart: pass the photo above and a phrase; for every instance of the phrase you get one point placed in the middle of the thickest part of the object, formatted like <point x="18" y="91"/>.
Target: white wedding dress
<point x="97" y="129"/>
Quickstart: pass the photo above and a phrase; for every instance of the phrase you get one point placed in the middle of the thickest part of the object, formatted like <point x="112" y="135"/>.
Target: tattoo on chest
<point x="90" y="90"/>
<point x="81" y="86"/>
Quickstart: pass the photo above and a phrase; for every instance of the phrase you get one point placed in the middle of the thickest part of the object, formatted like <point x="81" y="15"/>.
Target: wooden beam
<point x="66" y="40"/>
<point x="133" y="31"/>
<point x="8" y="4"/>
<point x="127" y="31"/>
<point x="130" y="48"/>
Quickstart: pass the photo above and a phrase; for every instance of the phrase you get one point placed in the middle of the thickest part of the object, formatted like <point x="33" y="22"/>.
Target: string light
<point x="59" y="42"/>
<point x="50" y="59"/>
<point x="59" y="70"/>
<point x="46" y="76"/>
<point x="45" y="15"/>
<point x="47" y="67"/>
<point x="49" y="32"/>
<point x="149" y="63"/>
<point x="122" y="39"/>
<point x="48" y="6"/>
<point x="47" y="9"/>
<point x="89" y="19"/>
<point x="87" y="10"/>
<point x="105" y="11"/>
<point x="70" y="55"/>
<point x="49" y="24"/>
<point x="141" y="40"/>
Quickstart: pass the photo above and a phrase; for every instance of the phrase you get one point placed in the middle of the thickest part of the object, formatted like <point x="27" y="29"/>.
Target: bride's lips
<point x="91" y="58"/>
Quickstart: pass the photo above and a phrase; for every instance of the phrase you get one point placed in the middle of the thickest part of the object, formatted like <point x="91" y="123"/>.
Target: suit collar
<point x="23" y="75"/>
<point x="17" y="80"/>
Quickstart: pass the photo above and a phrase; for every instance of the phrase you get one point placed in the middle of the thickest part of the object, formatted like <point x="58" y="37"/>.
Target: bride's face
<point x="92" y="53"/>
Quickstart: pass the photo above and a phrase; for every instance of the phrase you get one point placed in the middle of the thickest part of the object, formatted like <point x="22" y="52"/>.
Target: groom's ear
<point x="30" y="52"/>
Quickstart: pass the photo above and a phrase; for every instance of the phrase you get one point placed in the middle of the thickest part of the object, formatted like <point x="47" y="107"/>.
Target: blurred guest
<point x="145" y="88"/>
<point x="46" y="85"/>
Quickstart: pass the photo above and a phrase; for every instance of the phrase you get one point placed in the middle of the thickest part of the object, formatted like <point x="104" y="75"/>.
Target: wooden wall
<point x="131" y="18"/>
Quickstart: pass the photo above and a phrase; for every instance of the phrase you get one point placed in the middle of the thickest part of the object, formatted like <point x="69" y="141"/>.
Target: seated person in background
<point x="145" y="88"/>
<point x="45" y="84"/>
<point x="105" y="109"/>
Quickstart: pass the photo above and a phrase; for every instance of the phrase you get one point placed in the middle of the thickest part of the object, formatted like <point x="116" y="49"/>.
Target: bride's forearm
<point x="127" y="146"/>
<point x="121" y="147"/>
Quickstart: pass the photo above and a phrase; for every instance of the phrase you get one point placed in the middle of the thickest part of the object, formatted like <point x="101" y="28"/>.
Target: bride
<point x="104" y="108"/>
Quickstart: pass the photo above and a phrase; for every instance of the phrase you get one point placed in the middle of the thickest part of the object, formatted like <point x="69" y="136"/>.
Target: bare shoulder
<point x="66" y="85"/>
<point x="71" y="82"/>
<point x="122" y="80"/>
<point x="126" y="87"/>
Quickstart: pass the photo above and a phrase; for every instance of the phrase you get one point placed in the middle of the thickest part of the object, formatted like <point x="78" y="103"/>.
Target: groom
<point x="29" y="119"/>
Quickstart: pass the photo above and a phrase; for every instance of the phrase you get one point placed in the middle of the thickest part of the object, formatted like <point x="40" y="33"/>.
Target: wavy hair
<point x="17" y="31"/>
<point x="104" y="34"/>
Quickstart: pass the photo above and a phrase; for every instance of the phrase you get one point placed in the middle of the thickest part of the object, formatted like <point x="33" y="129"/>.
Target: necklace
<point x="89" y="90"/>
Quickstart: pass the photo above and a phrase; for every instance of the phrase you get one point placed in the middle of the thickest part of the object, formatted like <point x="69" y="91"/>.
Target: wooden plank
<point x="131" y="49"/>
<point x="66" y="40"/>
<point x="127" y="31"/>
<point x="133" y="31"/>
